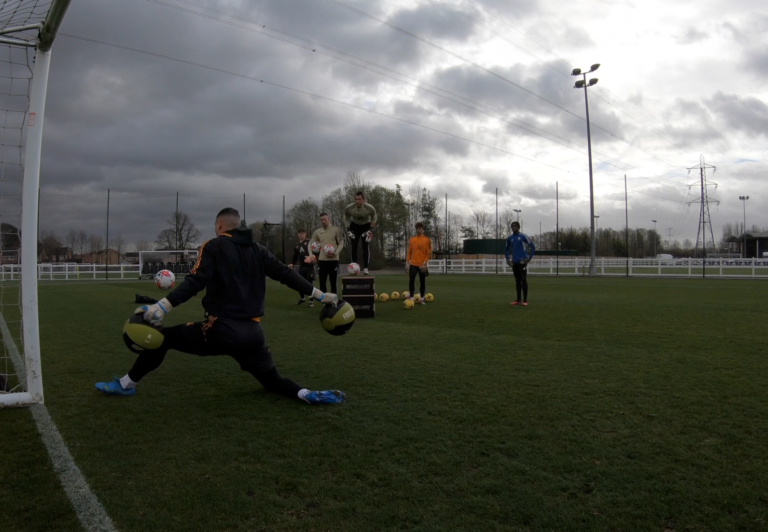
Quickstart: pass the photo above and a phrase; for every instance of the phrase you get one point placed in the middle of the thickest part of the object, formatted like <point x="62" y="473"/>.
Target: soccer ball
<point x="328" y="249"/>
<point x="429" y="298"/>
<point x="406" y="294"/>
<point x="408" y="304"/>
<point x="164" y="279"/>
<point x="315" y="247"/>
<point x="417" y="297"/>
<point x="375" y="296"/>
<point x="140" y="336"/>
<point x="337" y="320"/>
<point x="353" y="268"/>
<point x="383" y="297"/>
<point x="395" y="295"/>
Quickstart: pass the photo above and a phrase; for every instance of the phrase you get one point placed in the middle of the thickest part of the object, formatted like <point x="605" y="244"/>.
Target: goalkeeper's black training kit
<point x="233" y="270"/>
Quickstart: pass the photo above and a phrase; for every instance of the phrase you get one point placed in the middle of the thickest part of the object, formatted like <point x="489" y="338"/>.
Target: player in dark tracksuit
<point x="306" y="269"/>
<point x="232" y="268"/>
<point x="519" y="243"/>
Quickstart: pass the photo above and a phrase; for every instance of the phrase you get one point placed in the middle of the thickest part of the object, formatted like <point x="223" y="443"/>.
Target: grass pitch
<point x="607" y="404"/>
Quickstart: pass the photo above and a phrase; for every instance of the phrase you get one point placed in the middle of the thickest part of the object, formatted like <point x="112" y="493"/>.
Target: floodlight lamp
<point x="576" y="72"/>
<point x="579" y="84"/>
<point x="594" y="67"/>
<point x="593" y="81"/>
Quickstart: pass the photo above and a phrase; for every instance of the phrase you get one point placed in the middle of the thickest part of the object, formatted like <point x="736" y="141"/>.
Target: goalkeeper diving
<point x="232" y="269"/>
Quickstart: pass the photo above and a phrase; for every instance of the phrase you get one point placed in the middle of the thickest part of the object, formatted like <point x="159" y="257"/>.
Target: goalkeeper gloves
<point x="326" y="298"/>
<point x="369" y="235"/>
<point x="153" y="314"/>
<point x="350" y="235"/>
<point x="509" y="262"/>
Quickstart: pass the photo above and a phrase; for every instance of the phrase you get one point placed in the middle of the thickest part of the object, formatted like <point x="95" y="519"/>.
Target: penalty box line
<point x="89" y="511"/>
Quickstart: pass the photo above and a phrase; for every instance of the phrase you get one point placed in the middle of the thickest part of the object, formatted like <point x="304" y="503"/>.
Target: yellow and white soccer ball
<point x="408" y="304"/>
<point x="383" y="297"/>
<point x="375" y="296"/>
<point x="429" y="298"/>
<point x="417" y="298"/>
<point x="406" y="294"/>
<point x="395" y="295"/>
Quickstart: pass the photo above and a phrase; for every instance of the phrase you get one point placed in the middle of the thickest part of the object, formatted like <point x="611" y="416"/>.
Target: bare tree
<point x="71" y="240"/>
<point x="304" y="215"/>
<point x="180" y="234"/>
<point x="118" y="244"/>
<point x="506" y="217"/>
<point x="50" y="243"/>
<point x="82" y="242"/>
<point x="95" y="244"/>
<point x="482" y="221"/>
<point x="143" y="245"/>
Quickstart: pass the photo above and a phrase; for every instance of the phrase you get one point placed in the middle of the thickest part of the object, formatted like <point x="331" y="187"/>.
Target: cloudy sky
<point x="216" y="99"/>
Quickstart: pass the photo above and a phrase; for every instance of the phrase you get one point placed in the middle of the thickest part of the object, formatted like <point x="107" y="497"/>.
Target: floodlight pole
<point x="582" y="84"/>
<point x="518" y="211"/>
<point x="654" y="238"/>
<point x="744" y="203"/>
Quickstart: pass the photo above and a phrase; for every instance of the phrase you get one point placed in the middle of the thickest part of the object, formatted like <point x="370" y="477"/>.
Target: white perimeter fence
<point x="73" y="272"/>
<point x="572" y="266"/>
<point x="611" y="267"/>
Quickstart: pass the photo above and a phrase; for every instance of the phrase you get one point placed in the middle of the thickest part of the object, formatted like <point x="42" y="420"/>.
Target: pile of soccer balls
<point x="408" y="302"/>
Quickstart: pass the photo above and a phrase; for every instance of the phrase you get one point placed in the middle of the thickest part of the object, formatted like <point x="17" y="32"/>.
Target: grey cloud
<point x="747" y="114"/>
<point x="692" y="36"/>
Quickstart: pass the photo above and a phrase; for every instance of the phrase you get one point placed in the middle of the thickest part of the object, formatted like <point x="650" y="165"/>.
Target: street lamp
<point x="654" y="238"/>
<point x="744" y="203"/>
<point x="518" y="211"/>
<point x="582" y="84"/>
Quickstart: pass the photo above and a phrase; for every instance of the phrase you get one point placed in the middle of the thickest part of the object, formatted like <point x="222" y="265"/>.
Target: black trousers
<point x="412" y="271"/>
<point x="521" y="280"/>
<point x="358" y="231"/>
<point x="326" y="269"/>
<point x="242" y="340"/>
<point x="307" y="271"/>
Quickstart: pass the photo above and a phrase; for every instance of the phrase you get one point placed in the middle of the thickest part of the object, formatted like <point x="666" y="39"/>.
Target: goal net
<point x="27" y="31"/>
<point x="179" y="262"/>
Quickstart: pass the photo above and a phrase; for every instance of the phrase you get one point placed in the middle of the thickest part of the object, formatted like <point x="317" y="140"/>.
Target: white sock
<point x="303" y="394"/>
<point x="127" y="383"/>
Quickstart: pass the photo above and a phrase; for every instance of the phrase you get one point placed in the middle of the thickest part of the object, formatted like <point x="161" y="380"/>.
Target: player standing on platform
<point x="419" y="253"/>
<point x="232" y="269"/>
<point x="519" y="243"/>
<point x="306" y="269"/>
<point x="328" y="263"/>
<point x="360" y="221"/>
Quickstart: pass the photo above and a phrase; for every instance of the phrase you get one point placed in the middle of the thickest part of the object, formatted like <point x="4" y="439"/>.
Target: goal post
<point x="27" y="29"/>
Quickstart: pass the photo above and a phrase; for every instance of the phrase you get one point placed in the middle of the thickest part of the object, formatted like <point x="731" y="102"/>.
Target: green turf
<point x="607" y="404"/>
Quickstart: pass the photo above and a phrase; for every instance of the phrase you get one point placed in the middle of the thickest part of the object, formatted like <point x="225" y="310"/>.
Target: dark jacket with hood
<point x="233" y="270"/>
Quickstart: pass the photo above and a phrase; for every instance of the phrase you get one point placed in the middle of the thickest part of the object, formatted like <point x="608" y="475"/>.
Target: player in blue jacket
<point x="520" y="245"/>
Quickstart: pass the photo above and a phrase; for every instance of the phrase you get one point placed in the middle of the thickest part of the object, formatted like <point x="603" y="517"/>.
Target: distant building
<point x="756" y="244"/>
<point x="100" y="257"/>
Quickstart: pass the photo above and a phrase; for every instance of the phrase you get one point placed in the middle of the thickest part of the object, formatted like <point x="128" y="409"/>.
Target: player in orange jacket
<point x="419" y="253"/>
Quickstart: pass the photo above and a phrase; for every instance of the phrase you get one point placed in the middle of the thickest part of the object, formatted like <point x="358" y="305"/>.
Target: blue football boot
<point x="114" y="388"/>
<point x="326" y="397"/>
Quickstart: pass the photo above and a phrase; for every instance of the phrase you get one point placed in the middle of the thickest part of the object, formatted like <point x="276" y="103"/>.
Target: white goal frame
<point x="30" y="364"/>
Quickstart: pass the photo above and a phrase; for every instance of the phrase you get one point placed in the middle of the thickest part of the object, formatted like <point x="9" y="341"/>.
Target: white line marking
<point x="89" y="511"/>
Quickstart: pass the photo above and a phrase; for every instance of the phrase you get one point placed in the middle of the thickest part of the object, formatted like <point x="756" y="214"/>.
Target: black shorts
<point x="307" y="272"/>
<point x="243" y="340"/>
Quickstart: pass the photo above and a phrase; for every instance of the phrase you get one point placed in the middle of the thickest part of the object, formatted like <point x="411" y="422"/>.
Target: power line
<point x="313" y="95"/>
<point x="315" y="47"/>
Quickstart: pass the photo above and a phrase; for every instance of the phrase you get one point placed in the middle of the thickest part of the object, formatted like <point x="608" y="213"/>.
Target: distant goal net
<point x="27" y="32"/>
<point x="179" y="262"/>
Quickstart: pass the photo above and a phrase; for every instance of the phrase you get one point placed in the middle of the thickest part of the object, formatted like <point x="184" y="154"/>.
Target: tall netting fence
<point x="101" y="231"/>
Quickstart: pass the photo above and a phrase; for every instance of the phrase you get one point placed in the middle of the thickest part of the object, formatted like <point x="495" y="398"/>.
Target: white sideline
<point x="88" y="509"/>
